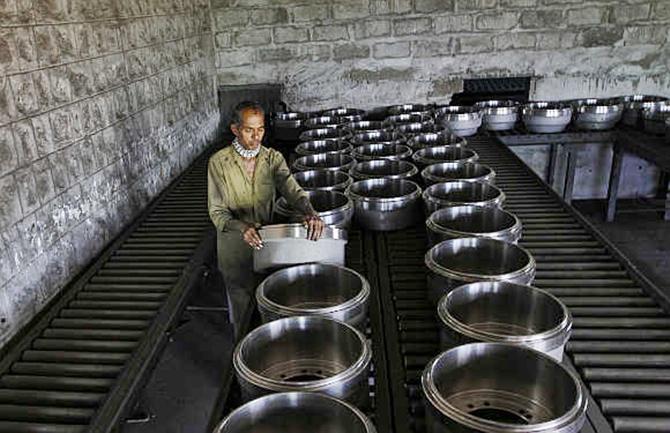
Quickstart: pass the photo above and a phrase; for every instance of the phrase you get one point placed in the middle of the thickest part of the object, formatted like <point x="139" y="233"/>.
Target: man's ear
<point x="235" y="129"/>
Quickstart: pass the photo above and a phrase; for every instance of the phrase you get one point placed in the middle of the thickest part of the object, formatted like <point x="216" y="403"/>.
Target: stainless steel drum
<point x="409" y="109"/>
<point x="437" y="154"/>
<point x="323" y="122"/>
<point x="296" y="412"/>
<point x="499" y="115"/>
<point x="459" y="192"/>
<point x="472" y="221"/>
<point x="292" y="120"/>
<point x="378" y="137"/>
<point x="454" y="262"/>
<point x="325" y="133"/>
<point x="328" y="145"/>
<point x="653" y="117"/>
<point x="386" y="204"/>
<point x="384" y="168"/>
<point x="371" y="151"/>
<point x="411" y="129"/>
<point x="334" y="208"/>
<point x="399" y="119"/>
<point x="365" y="125"/>
<point x="633" y="106"/>
<point x="502" y="312"/>
<point x="324" y="161"/>
<point x="347" y="113"/>
<point x="315" y="289"/>
<point x="323" y="179"/>
<point x="501" y="388"/>
<point x="430" y="139"/>
<point x="546" y="116"/>
<point x="304" y="353"/>
<point x="461" y="120"/>
<point x="447" y="171"/>
<point x="596" y="114"/>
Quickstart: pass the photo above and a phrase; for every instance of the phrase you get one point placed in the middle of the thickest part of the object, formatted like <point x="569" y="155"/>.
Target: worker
<point x="241" y="183"/>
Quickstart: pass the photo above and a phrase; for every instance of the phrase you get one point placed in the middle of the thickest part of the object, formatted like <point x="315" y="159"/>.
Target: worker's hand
<point x="315" y="226"/>
<point x="251" y="237"/>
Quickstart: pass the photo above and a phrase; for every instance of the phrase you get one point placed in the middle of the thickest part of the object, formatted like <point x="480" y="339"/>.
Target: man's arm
<point x="219" y="212"/>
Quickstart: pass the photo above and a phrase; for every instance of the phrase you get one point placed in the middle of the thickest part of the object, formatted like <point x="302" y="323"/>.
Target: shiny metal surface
<point x="289" y="120"/>
<point x="296" y="412"/>
<point x="499" y="115"/>
<point x="502" y="312"/>
<point x="378" y="137"/>
<point x="304" y="353"/>
<point x="654" y="117"/>
<point x="365" y="125"/>
<point x="409" y="109"/>
<point x="323" y="122"/>
<point x="447" y="171"/>
<point x="461" y="120"/>
<point x="596" y="114"/>
<point x="324" y="161"/>
<point x="399" y="119"/>
<point x="298" y="231"/>
<point x="343" y="112"/>
<point x="437" y="154"/>
<point x="371" y="151"/>
<point x="454" y="262"/>
<point x="384" y="204"/>
<point x="633" y="106"/>
<point x="465" y="221"/>
<point x="314" y="289"/>
<point x="323" y="146"/>
<point x="546" y="116"/>
<point x="334" y="208"/>
<point x="411" y="129"/>
<point x="323" y="179"/>
<point x="324" y="133"/>
<point x="431" y="139"/>
<point x="383" y="168"/>
<point x="501" y="388"/>
<point x="457" y="193"/>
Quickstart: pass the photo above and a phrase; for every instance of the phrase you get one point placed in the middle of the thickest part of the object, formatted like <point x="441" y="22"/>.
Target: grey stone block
<point x="8" y="158"/>
<point x="518" y="3"/>
<point x="59" y="170"/>
<point x="28" y="193"/>
<point x="587" y="16"/>
<point x="628" y="13"/>
<point x="601" y="36"/>
<point x="24" y="142"/>
<point x="412" y="26"/>
<point x="227" y="59"/>
<point x="351" y="9"/>
<point x="446" y="87"/>
<point x="43" y="89"/>
<point x="252" y="37"/>
<point x="475" y="44"/>
<point x="393" y="50"/>
<point x="24" y="93"/>
<point x="290" y="34"/>
<point x="25" y="50"/>
<point x="280" y="54"/>
<point x="438" y="48"/>
<point x="10" y="207"/>
<point x="555" y="40"/>
<point x="497" y="21"/>
<point x="661" y="10"/>
<point x="330" y="33"/>
<point x="269" y="16"/>
<point x="43" y="134"/>
<point x="223" y="40"/>
<point x="61" y="88"/>
<point x="311" y="13"/>
<point x="350" y="51"/>
<point x="425" y="6"/>
<point x="471" y="5"/>
<point x="653" y="34"/>
<point x="511" y="41"/>
<point x="453" y="23"/>
<point x="371" y="29"/>
<point x="7" y="108"/>
<point x="231" y="17"/>
<point x="314" y="52"/>
<point x="542" y="19"/>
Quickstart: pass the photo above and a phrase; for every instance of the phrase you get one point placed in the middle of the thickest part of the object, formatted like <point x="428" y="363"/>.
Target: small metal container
<point x="291" y="120"/>
<point x="457" y="193"/>
<point x="596" y="114"/>
<point x="411" y="129"/>
<point x="501" y="388"/>
<point x="323" y="122"/>
<point x="315" y="289"/>
<point x="463" y="121"/>
<point x="466" y="221"/>
<point x="546" y="116"/>
<point x="328" y="145"/>
<point x="499" y="115"/>
<point x="364" y="126"/>
<point x="431" y="139"/>
<point x="448" y="171"/>
<point x="371" y="151"/>
<point x="437" y="154"/>
<point x="325" y="133"/>
<point x="323" y="180"/>
<point x="409" y="109"/>
<point x="324" y="161"/>
<point x="386" y="204"/>
<point x="334" y="208"/>
<point x="378" y="137"/>
<point x="502" y="312"/>
<point x="455" y="262"/>
<point x="384" y="168"/>
<point x="654" y="117"/>
<point x="633" y="106"/>
<point x="400" y="119"/>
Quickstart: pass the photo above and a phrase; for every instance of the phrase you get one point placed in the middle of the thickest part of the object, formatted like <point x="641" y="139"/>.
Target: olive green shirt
<point x="235" y="199"/>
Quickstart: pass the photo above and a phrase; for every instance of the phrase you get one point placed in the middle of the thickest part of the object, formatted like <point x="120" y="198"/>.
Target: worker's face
<point x="251" y="129"/>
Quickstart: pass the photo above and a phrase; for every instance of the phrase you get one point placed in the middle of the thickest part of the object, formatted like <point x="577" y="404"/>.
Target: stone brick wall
<point x="102" y="103"/>
<point x="370" y="52"/>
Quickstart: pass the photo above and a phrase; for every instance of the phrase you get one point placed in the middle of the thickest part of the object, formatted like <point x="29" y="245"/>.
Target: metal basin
<point x="457" y="193"/>
<point x="399" y="119"/>
<point x="323" y="122"/>
<point x="409" y="109"/>
<point x="386" y="204"/>
<point x="323" y="179"/>
<point x="325" y="133"/>
<point x="633" y="106"/>
<point x="546" y="116"/>
<point x="461" y="120"/>
<point x="304" y="353"/>
<point x="334" y="208"/>
<point x="371" y="151"/>
<point x="383" y="168"/>
<point x="324" y="161"/>
<point x="654" y="117"/>
<point x="295" y="412"/>
<point x="323" y="146"/>
<point x="447" y="171"/>
<point x="455" y="262"/>
<point x="292" y="120"/>
<point x="596" y="114"/>
<point x="365" y="125"/>
<point x="313" y="289"/>
<point x="341" y="112"/>
<point x="499" y="115"/>
<point x="437" y="154"/>
<point x="467" y="221"/>
<point x="412" y="129"/>
<point x="378" y="137"/>
<point x="501" y="388"/>
<point x="431" y="139"/>
<point x="502" y="312"/>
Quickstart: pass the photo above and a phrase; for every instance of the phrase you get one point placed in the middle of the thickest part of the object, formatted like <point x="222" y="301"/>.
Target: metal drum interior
<point x="472" y="221"/>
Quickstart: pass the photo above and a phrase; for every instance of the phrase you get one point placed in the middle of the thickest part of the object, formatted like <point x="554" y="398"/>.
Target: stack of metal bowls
<point x="323" y="122"/>
<point x="345" y="114"/>
<point x="457" y="193"/>
<point x="325" y="133"/>
<point x="546" y="116"/>
<point x="287" y="125"/>
<point x="334" y="208"/>
<point x="499" y="115"/>
<point x="328" y="145"/>
<point x="437" y="154"/>
<point x="323" y="179"/>
<point x="633" y="106"/>
<point x="365" y="125"/>
<point x="461" y="120"/>
<point x="465" y="221"/>
<point x="596" y="114"/>
<point x="431" y="139"/>
<point x="385" y="204"/>
<point x="324" y="161"/>
<point x="390" y="137"/>
<point x="408" y="118"/>
<point x="412" y="129"/>
<point x="371" y="151"/>
<point x="409" y="109"/>
<point x="654" y="117"/>
<point x="468" y="171"/>
<point x="384" y="168"/>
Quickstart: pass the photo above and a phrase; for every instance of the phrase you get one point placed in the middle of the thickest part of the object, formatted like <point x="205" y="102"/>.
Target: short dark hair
<point x="236" y="117"/>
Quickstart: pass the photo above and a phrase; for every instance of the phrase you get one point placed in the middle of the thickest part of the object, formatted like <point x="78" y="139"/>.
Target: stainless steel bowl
<point x="596" y="114"/>
<point x="334" y="208"/>
<point x="461" y="120"/>
<point x="499" y="115"/>
<point x="304" y="353"/>
<point x="437" y="154"/>
<point x="409" y="109"/>
<point x="467" y="221"/>
<point x="399" y="119"/>
<point x="315" y="289"/>
<point x="447" y="171"/>
<point x="324" y="161"/>
<point x="430" y="139"/>
<point x="291" y="120"/>
<point x="386" y="204"/>
<point x="502" y="312"/>
<point x="365" y="125"/>
<point x="411" y="129"/>
<point x="455" y="262"/>
<point x="654" y="117"/>
<point x="325" y="133"/>
<point x="459" y="192"/>
<point x="371" y="151"/>
<point x="343" y="112"/>
<point x="328" y="145"/>
<point x="323" y="179"/>
<point x="383" y="168"/>
<point x="378" y="137"/>
<point x="295" y="412"/>
<point x="546" y="116"/>
<point x="633" y="106"/>
<point x="323" y="122"/>
<point x="501" y="388"/>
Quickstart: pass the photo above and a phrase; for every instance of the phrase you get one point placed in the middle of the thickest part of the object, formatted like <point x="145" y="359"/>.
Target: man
<point x="241" y="183"/>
